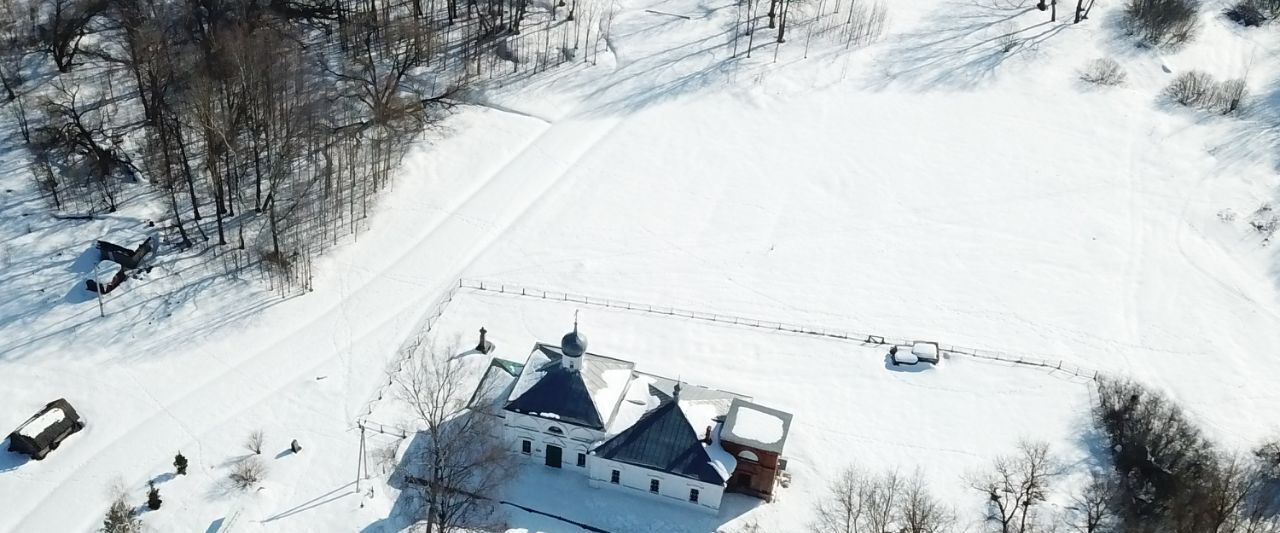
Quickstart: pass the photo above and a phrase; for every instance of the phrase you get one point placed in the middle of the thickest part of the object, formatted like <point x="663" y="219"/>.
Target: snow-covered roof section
<point x="640" y="398"/>
<point x="495" y="386"/>
<point x="588" y="397"/>
<point x="925" y="351"/>
<point x="756" y="426"/>
<point x="43" y="422"/>
<point x="700" y="405"/>
<point x="723" y="461"/>
<point x="903" y="356"/>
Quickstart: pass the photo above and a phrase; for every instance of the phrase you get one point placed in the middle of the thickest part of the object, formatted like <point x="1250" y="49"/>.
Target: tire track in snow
<point x="1133" y="260"/>
<point x="452" y="245"/>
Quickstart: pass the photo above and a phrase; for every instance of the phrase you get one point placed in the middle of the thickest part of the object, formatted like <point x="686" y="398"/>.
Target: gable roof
<point x="588" y="397"/>
<point x="663" y="440"/>
<point x="562" y="395"/>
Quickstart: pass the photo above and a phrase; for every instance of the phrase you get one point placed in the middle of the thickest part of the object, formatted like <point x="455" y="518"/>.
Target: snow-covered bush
<point x="1200" y="90"/>
<point x="1265" y="220"/>
<point x="1229" y="96"/>
<point x="1104" y="71"/>
<point x="1245" y="13"/>
<point x="247" y="473"/>
<point x="1162" y="22"/>
<point x="1191" y="89"/>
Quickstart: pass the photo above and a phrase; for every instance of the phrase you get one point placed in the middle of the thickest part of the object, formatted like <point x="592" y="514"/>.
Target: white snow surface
<point x="757" y="426"/>
<point x="723" y="461"/>
<point x="615" y="385"/>
<point x="1062" y="221"/>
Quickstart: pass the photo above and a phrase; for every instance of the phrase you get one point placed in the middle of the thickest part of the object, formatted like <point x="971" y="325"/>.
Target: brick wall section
<point x="763" y="474"/>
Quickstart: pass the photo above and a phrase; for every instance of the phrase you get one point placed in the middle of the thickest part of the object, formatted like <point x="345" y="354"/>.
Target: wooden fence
<point x="949" y="350"/>
<point x="425" y="326"/>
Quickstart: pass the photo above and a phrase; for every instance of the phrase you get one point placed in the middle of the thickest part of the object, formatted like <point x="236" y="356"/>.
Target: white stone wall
<point x="542" y="432"/>
<point x="636" y="481"/>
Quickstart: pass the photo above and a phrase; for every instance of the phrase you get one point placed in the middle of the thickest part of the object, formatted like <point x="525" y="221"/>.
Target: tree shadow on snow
<point x="963" y="44"/>
<point x="343" y="491"/>
<point x="409" y="500"/>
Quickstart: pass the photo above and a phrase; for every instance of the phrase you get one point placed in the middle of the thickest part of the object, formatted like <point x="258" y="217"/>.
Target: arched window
<point x="749" y="455"/>
<point x="555" y="430"/>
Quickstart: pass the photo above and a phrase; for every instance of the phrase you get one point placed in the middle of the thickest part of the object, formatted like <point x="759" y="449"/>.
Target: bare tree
<point x="1090" y="511"/>
<point x="1016" y="485"/>
<point x="76" y="136"/>
<point x="65" y="23"/>
<point x="247" y="473"/>
<point x="253" y="442"/>
<point x="921" y="512"/>
<point x="1268" y="456"/>
<point x="858" y="502"/>
<point x="13" y="47"/>
<point x="844" y="507"/>
<point x="462" y="461"/>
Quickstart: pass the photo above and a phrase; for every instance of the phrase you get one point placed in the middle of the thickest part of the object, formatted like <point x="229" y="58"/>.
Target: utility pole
<point x="361" y="468"/>
<point x="102" y="312"/>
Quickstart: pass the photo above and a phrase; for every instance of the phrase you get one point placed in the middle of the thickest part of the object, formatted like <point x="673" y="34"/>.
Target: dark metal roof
<point x="604" y="379"/>
<point x="573" y="344"/>
<point x="662" y="440"/>
<point x="559" y="394"/>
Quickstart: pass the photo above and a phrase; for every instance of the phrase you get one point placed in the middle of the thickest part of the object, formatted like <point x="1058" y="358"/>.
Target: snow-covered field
<point x="929" y="187"/>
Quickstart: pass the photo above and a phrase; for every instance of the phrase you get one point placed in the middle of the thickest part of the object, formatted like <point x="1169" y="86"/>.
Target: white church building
<point x="631" y="431"/>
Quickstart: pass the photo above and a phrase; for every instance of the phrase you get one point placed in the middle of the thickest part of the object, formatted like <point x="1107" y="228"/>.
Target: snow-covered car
<point x="43" y="432"/>
<point x="919" y="351"/>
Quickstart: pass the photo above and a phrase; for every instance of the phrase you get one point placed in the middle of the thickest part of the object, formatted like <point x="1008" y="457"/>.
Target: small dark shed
<point x="43" y="432"/>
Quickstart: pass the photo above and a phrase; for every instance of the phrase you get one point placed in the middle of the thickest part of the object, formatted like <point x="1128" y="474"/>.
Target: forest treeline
<point x="268" y="126"/>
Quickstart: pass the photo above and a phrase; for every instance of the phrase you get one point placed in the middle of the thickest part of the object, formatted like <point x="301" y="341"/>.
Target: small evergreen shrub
<point x="180" y="464"/>
<point x="153" y="497"/>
